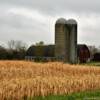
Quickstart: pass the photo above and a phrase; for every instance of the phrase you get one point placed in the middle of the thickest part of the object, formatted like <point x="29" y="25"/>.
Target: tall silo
<point x="61" y="40"/>
<point x="72" y="27"/>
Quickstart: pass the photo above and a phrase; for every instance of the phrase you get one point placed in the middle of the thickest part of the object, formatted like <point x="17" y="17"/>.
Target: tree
<point x="93" y="49"/>
<point x="16" y="49"/>
<point x="11" y="45"/>
<point x="41" y="43"/>
<point x="3" y="53"/>
<point x="17" y="45"/>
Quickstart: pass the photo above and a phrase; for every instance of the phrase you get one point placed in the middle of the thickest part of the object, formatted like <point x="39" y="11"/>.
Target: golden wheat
<point x="20" y="78"/>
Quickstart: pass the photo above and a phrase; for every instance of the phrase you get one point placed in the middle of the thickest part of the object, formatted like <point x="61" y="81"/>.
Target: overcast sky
<point x="33" y="20"/>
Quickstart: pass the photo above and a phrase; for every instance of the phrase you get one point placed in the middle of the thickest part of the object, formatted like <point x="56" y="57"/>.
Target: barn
<point x="83" y="52"/>
<point x="41" y="51"/>
<point x="96" y="57"/>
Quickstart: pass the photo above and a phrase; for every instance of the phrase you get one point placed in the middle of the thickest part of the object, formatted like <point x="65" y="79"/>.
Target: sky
<point x="32" y="21"/>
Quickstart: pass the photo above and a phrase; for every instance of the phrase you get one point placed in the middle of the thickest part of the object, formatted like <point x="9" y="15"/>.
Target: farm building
<point x="96" y="57"/>
<point x="41" y="51"/>
<point x="83" y="53"/>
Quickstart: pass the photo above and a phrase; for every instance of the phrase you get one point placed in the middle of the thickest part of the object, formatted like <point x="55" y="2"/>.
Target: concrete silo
<point x="61" y="40"/>
<point x="72" y="27"/>
<point x="66" y="40"/>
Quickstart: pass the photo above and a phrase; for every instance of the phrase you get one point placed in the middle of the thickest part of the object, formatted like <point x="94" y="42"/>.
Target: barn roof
<point x="82" y="46"/>
<point x="79" y="46"/>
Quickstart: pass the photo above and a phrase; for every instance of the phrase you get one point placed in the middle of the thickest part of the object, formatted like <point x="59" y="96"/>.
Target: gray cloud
<point x="33" y="20"/>
<point x="58" y="6"/>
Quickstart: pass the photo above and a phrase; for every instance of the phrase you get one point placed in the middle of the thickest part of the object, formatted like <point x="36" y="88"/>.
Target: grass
<point x="89" y="95"/>
<point x="92" y="63"/>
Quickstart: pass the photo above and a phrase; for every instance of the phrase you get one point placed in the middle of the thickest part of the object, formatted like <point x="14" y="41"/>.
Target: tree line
<point x="14" y="50"/>
<point x="17" y="50"/>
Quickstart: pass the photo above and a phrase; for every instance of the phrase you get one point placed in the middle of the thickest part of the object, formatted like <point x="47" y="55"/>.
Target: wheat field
<point x="20" y="79"/>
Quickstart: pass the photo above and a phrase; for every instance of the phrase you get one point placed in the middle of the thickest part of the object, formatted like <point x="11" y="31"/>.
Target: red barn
<point x="83" y="53"/>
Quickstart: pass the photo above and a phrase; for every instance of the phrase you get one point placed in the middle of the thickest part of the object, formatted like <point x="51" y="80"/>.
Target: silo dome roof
<point x="71" y="21"/>
<point x="61" y="21"/>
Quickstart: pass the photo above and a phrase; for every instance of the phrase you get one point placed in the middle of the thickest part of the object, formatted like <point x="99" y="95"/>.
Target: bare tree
<point x="11" y="45"/>
<point x="16" y="49"/>
<point x="16" y="45"/>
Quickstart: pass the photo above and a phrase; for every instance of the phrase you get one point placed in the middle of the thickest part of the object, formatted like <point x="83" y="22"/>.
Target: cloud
<point x="58" y="6"/>
<point x="24" y="24"/>
<point x="33" y="20"/>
